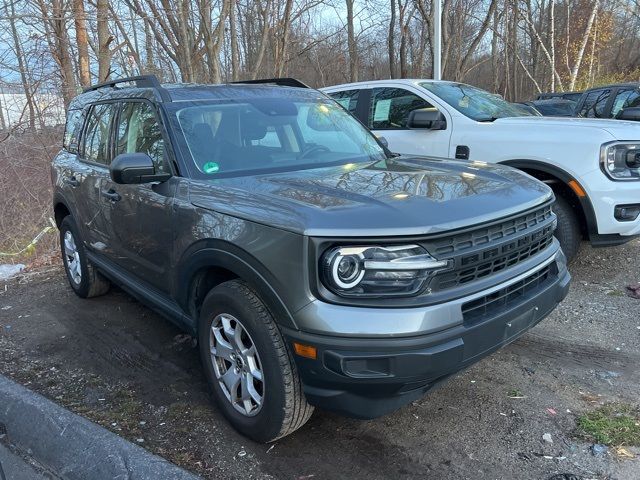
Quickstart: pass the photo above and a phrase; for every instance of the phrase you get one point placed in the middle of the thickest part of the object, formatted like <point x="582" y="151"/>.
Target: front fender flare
<point x="221" y="254"/>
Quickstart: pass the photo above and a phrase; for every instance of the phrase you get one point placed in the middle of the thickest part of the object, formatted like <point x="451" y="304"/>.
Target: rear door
<point x="92" y="168"/>
<point x="139" y="217"/>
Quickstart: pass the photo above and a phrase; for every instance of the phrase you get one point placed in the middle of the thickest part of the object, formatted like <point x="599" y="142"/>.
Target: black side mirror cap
<point x="135" y="168"/>
<point x="383" y="141"/>
<point x="631" y="113"/>
<point x="427" y="118"/>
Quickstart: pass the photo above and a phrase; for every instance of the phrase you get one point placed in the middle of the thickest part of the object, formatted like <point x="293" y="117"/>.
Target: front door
<point x="388" y="114"/>
<point x="139" y="217"/>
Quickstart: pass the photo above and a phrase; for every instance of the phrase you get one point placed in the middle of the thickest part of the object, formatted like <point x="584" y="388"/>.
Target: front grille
<point x="504" y="298"/>
<point x="491" y="233"/>
<point x="487" y="250"/>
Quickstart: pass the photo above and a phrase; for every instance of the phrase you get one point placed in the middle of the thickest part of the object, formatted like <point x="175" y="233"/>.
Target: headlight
<point x="375" y="271"/>
<point x="620" y="161"/>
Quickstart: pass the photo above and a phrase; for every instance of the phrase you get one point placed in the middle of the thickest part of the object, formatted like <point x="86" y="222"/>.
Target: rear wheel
<point x="250" y="370"/>
<point x="568" y="232"/>
<point x="83" y="277"/>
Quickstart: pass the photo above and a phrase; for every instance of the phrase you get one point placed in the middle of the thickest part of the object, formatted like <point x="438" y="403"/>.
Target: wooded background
<point x="512" y="47"/>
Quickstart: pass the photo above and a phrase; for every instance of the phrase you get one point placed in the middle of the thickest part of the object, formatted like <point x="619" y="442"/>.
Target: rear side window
<point x="96" y="135"/>
<point x="625" y="99"/>
<point x="390" y="108"/>
<point x="72" y="131"/>
<point x="594" y="104"/>
<point x="348" y="99"/>
<point x="138" y="131"/>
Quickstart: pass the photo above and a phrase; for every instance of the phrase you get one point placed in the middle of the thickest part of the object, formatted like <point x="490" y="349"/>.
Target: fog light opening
<point x="627" y="213"/>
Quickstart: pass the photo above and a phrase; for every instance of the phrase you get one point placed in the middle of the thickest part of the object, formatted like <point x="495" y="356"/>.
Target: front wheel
<point x="250" y="370"/>
<point x="568" y="232"/>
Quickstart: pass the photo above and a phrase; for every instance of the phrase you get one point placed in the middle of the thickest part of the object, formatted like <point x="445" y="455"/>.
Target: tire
<point x="83" y="277"/>
<point x="276" y="405"/>
<point x="568" y="232"/>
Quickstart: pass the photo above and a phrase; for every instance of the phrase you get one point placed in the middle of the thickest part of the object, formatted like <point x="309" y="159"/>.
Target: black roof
<point x="615" y="85"/>
<point x="148" y="86"/>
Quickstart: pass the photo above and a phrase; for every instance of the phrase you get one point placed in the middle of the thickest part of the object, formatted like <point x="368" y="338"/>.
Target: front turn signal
<point x="306" y="351"/>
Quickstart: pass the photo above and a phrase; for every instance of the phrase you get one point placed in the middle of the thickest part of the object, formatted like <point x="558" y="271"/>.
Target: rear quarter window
<point x="72" y="130"/>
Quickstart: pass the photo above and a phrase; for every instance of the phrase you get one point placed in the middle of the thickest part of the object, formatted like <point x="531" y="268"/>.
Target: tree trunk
<point x="235" y="52"/>
<point x="391" y="41"/>
<point x="80" y="20"/>
<point x="104" y="40"/>
<point x="583" y="45"/>
<point x="352" y="43"/>
<point x="22" y="67"/>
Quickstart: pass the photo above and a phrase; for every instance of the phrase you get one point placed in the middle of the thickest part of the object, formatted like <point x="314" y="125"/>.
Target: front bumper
<point x="605" y="195"/>
<point x="369" y="377"/>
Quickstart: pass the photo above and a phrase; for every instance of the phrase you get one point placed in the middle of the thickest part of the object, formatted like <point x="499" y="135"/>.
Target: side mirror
<point x="383" y="141"/>
<point x="133" y="168"/>
<point x="631" y="113"/>
<point x="427" y="118"/>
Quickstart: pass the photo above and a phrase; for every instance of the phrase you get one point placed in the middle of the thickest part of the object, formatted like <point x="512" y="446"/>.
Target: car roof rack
<point x="141" y="81"/>
<point x="282" y="82"/>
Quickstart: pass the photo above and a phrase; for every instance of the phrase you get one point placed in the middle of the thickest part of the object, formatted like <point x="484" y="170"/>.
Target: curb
<point x="72" y="446"/>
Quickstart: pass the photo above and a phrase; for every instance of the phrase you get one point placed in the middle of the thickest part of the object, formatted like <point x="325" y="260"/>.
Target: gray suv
<point x="314" y="267"/>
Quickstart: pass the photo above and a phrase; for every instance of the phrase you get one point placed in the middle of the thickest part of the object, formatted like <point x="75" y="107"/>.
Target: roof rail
<point x="141" y="81"/>
<point x="282" y="82"/>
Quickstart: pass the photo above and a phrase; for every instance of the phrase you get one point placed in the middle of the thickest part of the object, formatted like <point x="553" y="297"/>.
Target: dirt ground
<point x="116" y="362"/>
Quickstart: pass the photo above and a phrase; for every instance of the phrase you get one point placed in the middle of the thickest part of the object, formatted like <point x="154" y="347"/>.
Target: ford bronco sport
<point x="314" y="267"/>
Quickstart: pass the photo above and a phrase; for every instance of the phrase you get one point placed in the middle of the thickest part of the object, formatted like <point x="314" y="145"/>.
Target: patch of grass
<point x="515" y="393"/>
<point x="616" y="293"/>
<point x="612" y="424"/>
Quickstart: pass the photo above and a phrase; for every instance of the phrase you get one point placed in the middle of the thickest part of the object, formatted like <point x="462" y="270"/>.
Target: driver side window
<point x="138" y="131"/>
<point x="390" y="108"/>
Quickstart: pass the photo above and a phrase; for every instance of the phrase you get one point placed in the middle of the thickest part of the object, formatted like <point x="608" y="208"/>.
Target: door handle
<point x="111" y="195"/>
<point x="71" y="181"/>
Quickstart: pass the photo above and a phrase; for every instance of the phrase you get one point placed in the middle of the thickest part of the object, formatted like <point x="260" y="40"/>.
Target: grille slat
<point x="487" y="250"/>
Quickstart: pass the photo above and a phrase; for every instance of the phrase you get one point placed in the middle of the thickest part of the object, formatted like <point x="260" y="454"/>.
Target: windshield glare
<point x="263" y="135"/>
<point x="475" y="103"/>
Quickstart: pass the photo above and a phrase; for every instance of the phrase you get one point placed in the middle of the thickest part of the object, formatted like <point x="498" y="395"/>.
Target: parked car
<point x="314" y="267"/>
<point x="573" y="96"/>
<point x="553" y="107"/>
<point x="621" y="101"/>
<point x="592" y="166"/>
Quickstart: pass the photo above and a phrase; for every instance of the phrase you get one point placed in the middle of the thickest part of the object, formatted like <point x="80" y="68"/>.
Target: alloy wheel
<point x="236" y="364"/>
<point x="72" y="256"/>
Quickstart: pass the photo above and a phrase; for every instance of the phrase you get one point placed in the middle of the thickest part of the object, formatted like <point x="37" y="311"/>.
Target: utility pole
<point x="437" y="40"/>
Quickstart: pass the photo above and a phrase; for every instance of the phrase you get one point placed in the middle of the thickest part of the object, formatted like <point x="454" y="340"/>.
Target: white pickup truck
<point x="592" y="165"/>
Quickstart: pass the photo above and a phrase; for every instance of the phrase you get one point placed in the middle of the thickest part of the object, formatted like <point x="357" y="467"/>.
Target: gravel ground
<point x="119" y="364"/>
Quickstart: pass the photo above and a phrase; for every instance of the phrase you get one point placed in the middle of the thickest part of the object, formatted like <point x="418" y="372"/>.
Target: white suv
<point x="592" y="165"/>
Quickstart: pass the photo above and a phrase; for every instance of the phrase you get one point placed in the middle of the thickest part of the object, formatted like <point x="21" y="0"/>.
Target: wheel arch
<point x="60" y="208"/>
<point x="209" y="263"/>
<point x="559" y="181"/>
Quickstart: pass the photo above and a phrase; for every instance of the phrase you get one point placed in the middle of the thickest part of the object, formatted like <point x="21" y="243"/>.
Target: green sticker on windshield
<point x="210" y="167"/>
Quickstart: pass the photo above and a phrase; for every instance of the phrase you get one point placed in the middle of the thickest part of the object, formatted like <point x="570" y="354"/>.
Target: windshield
<point x="265" y="135"/>
<point x="475" y="103"/>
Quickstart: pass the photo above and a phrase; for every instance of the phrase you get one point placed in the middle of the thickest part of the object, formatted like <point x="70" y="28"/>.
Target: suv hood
<point x="399" y="196"/>
<point x="618" y="129"/>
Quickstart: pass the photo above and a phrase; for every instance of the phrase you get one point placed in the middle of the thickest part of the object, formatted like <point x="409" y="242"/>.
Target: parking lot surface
<point x="116" y="362"/>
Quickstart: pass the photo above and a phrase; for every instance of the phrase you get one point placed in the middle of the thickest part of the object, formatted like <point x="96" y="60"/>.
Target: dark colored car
<point x="554" y="107"/>
<point x="314" y="267"/>
<point x="573" y="96"/>
<point x="620" y="101"/>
